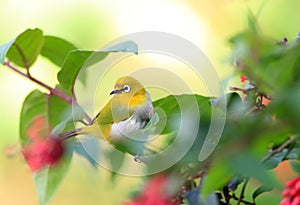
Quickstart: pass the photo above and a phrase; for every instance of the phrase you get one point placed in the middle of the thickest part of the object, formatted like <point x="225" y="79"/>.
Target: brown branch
<point x="279" y="149"/>
<point x="52" y="91"/>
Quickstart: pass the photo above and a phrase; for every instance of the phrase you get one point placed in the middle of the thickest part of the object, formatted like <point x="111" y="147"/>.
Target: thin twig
<point x="226" y="194"/>
<point x="233" y="196"/>
<point x="279" y="149"/>
<point x="52" y="91"/>
<point x="242" y="195"/>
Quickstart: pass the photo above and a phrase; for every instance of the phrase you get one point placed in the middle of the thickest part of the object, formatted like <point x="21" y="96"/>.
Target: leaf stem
<point x="52" y="91"/>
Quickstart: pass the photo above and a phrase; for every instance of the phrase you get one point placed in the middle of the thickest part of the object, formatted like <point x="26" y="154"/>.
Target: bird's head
<point x="129" y="91"/>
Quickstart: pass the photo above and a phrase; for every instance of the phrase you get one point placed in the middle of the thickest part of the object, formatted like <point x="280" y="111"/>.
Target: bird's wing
<point x="104" y="116"/>
<point x="111" y="113"/>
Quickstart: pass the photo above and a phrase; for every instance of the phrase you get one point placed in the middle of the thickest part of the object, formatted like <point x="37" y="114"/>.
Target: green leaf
<point x="285" y="154"/>
<point x="248" y="165"/>
<point x="116" y="159"/>
<point x="295" y="165"/>
<point x="260" y="190"/>
<point x="222" y="171"/>
<point x="34" y="105"/>
<point x="56" y="49"/>
<point x="252" y="22"/>
<point x="175" y="114"/>
<point x="77" y="59"/>
<point x="48" y="180"/>
<point x="4" y="49"/>
<point x="217" y="177"/>
<point x="59" y="128"/>
<point x="89" y="148"/>
<point x="71" y="68"/>
<point x="68" y="116"/>
<point x="52" y="108"/>
<point x="275" y="160"/>
<point x="26" y="48"/>
<point x="56" y="111"/>
<point x="170" y="108"/>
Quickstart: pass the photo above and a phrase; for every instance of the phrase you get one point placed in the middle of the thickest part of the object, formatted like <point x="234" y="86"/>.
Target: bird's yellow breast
<point x="131" y="100"/>
<point x="137" y="100"/>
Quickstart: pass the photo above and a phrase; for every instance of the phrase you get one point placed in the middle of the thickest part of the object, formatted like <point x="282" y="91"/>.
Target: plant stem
<point x="279" y="149"/>
<point x="233" y="196"/>
<point x="242" y="195"/>
<point x="52" y="91"/>
<point x="226" y="195"/>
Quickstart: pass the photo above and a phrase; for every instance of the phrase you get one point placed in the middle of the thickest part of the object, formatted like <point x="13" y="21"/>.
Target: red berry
<point x="42" y="149"/>
<point x="292" y="192"/>
<point x="154" y="193"/>
<point x="243" y="78"/>
<point x="43" y="152"/>
<point x="291" y="183"/>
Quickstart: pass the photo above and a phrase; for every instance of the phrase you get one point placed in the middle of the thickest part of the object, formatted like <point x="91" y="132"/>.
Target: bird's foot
<point x="137" y="158"/>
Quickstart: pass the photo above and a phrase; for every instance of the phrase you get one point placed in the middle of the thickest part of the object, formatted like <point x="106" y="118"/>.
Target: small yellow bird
<point x="129" y="111"/>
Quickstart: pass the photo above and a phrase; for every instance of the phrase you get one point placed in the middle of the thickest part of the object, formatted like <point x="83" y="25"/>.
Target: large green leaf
<point x="172" y="112"/>
<point x="184" y="121"/>
<point x="48" y="179"/>
<point x="171" y="107"/>
<point x="56" y="49"/>
<point x="24" y="49"/>
<point x="53" y="109"/>
<point x="89" y="148"/>
<point x="244" y="163"/>
<point x="249" y="165"/>
<point x="76" y="59"/>
<point x="277" y="158"/>
<point x="38" y="104"/>
<point x="58" y="111"/>
<point x="71" y="68"/>
<point x="116" y="159"/>
<point x="217" y="177"/>
<point x="35" y="104"/>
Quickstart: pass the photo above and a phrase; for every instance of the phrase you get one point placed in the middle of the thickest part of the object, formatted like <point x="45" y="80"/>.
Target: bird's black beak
<point x="115" y="92"/>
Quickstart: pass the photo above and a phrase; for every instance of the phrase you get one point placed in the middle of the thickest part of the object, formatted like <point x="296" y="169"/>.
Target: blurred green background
<point x="90" y="24"/>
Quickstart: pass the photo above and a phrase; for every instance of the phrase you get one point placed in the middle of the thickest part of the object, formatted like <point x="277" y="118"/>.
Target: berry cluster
<point x="154" y="192"/>
<point x="292" y="192"/>
<point x="43" y="149"/>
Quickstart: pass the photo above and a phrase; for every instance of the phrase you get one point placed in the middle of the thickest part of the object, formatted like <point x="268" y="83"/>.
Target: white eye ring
<point x="126" y="88"/>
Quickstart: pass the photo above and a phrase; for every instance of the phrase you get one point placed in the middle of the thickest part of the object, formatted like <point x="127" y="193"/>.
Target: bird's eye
<point x="126" y="88"/>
